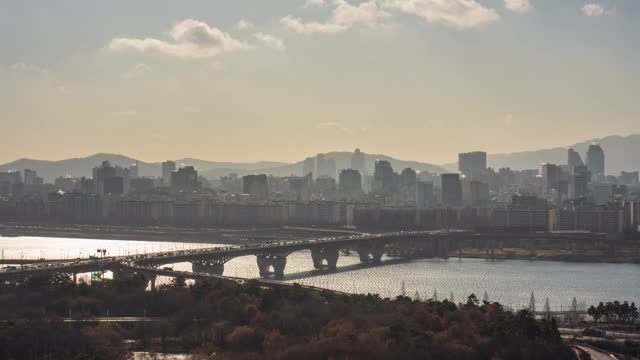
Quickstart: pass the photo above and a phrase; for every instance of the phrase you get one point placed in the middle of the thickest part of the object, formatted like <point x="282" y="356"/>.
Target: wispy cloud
<point x="518" y="6"/>
<point x="459" y="14"/>
<point x="192" y="39"/>
<point x="334" y="125"/>
<point x="270" y="41"/>
<point x="343" y="17"/>
<point x="595" y="9"/>
<point x="244" y="24"/>
<point x="137" y="70"/>
<point x="316" y="3"/>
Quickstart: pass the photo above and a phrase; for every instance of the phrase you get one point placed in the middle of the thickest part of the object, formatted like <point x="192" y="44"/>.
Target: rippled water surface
<point x="510" y="282"/>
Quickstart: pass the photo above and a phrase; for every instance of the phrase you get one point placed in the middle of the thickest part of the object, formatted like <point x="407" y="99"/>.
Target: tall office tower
<point x="551" y="177"/>
<point x="573" y="159"/>
<point x="578" y="180"/>
<point x="595" y="161"/>
<point x="358" y="162"/>
<point x="168" y="167"/>
<point x="102" y="175"/>
<point x="184" y="179"/>
<point x="408" y="180"/>
<point x="472" y="164"/>
<point x="256" y="186"/>
<point x="331" y="168"/>
<point x="424" y="195"/>
<point x="321" y="166"/>
<point x="451" y="190"/>
<point x="134" y="170"/>
<point x="29" y="176"/>
<point x="383" y="177"/>
<point x="350" y="182"/>
<point x="307" y="166"/>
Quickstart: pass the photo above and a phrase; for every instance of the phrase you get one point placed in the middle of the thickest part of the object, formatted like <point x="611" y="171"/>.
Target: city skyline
<point x="195" y="79"/>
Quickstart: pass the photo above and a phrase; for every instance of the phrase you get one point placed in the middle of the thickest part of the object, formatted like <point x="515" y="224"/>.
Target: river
<point x="510" y="282"/>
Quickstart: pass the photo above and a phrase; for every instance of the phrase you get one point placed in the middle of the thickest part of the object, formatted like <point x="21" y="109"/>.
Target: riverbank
<point x="625" y="256"/>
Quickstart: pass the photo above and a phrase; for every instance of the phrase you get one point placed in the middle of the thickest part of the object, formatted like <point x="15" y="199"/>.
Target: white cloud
<point x="192" y="39"/>
<point x="297" y="25"/>
<point x="137" y="70"/>
<point x="244" y="24"/>
<point x="518" y="6"/>
<point x="334" y="125"/>
<point x="270" y="41"/>
<point x="595" y="9"/>
<point x="459" y="14"/>
<point x="316" y="3"/>
<point x="343" y="17"/>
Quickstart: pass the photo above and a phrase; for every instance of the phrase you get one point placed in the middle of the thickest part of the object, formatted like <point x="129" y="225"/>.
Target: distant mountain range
<point x="621" y="152"/>
<point x="79" y="167"/>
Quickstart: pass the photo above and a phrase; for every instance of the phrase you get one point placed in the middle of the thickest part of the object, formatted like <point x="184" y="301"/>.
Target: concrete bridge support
<point x="152" y="282"/>
<point x="267" y="261"/>
<point x="371" y="253"/>
<point x="329" y="254"/>
<point x="208" y="267"/>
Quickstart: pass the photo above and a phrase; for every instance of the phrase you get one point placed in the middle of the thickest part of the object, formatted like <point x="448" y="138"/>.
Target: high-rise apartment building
<point x="256" y="186"/>
<point x="350" y="183"/>
<point x="383" y="177"/>
<point x="358" y="162"/>
<point x="472" y="163"/>
<point x="184" y="179"/>
<point x="168" y="167"/>
<point x="451" y="190"/>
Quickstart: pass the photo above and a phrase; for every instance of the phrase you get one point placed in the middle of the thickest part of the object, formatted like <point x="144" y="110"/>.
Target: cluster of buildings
<point x="366" y="192"/>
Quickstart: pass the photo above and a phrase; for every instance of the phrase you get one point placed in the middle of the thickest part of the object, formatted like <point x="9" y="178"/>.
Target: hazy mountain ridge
<point x="343" y="161"/>
<point x="78" y="167"/>
<point x="622" y="153"/>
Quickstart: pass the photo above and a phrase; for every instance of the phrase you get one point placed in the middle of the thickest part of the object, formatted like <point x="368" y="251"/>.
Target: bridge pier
<point x="328" y="254"/>
<point x="267" y="261"/>
<point x="208" y="267"/>
<point x="370" y="253"/>
<point x="152" y="282"/>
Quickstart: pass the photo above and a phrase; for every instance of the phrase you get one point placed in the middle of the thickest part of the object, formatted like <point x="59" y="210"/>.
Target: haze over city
<point x="319" y="179"/>
<point x="245" y="81"/>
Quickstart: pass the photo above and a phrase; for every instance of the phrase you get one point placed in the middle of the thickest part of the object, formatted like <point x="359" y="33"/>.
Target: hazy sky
<point x="246" y="80"/>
